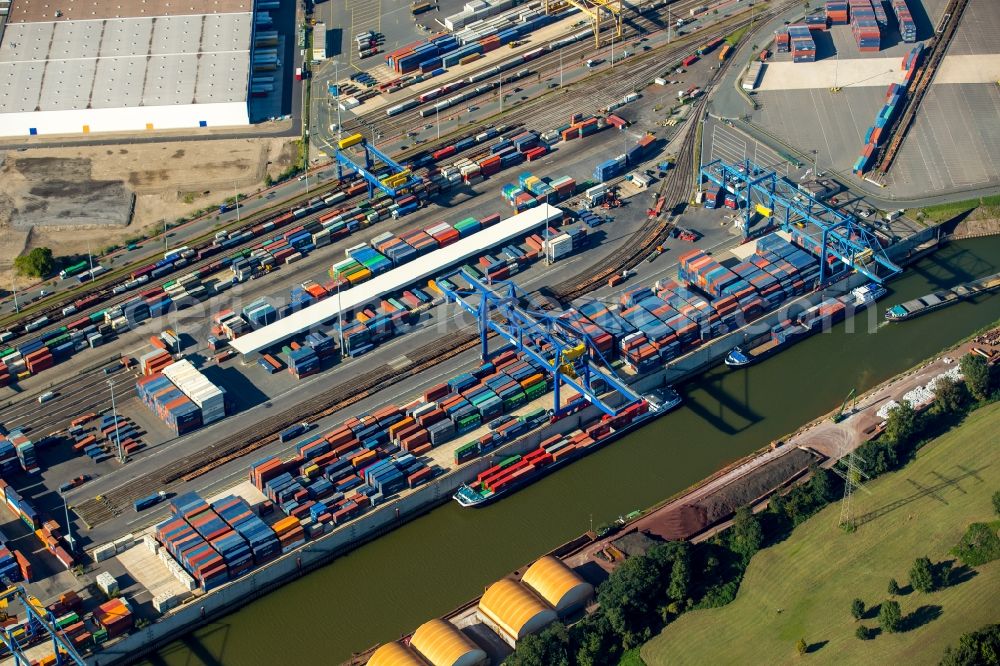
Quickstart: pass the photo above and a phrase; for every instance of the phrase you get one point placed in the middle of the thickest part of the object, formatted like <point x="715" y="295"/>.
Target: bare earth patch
<point x="66" y="198"/>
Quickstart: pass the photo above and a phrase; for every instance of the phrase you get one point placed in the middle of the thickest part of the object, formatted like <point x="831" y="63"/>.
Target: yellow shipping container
<point x="311" y="470"/>
<point x="399" y="425"/>
<point x="360" y="276"/>
<point x="359" y="460"/>
<point x="352" y="140"/>
<point x="362" y="317"/>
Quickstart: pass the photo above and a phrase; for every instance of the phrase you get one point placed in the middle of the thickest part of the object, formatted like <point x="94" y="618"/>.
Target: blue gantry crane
<point x="399" y="182"/>
<point x="826" y="232"/>
<point x="20" y="636"/>
<point x="550" y="339"/>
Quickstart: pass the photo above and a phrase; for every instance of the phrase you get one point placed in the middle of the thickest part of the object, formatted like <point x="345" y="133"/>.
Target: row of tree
<point x="906" y="429"/>
<point x="647" y="592"/>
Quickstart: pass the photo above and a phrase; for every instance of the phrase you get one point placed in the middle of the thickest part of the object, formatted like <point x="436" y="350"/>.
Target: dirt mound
<point x="686" y="520"/>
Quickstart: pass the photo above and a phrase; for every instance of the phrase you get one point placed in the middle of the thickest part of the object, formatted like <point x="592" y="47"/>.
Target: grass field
<point x="814" y="574"/>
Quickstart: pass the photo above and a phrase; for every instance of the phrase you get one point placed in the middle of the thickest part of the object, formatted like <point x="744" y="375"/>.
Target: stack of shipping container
<point x="907" y="27"/>
<point x="216" y="543"/>
<point x="895" y="98"/>
<point x="865" y="27"/>
<point x="815" y="21"/>
<point x="182" y="397"/>
<point x="803" y="47"/>
<point x="881" y="16"/>
<point x="611" y="168"/>
<point x="781" y="41"/>
<point x="837" y="12"/>
<point x="210" y="399"/>
<point x="115" y="617"/>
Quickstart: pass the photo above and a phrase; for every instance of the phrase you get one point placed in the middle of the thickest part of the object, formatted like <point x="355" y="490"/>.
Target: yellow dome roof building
<point x="442" y="644"/>
<point x="513" y="611"/>
<point x="395" y="654"/>
<point x="557" y="584"/>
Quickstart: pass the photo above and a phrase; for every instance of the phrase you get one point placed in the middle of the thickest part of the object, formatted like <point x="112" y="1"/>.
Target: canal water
<point x="435" y="563"/>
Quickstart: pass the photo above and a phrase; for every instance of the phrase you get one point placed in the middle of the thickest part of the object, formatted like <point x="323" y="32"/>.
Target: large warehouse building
<point x="78" y="66"/>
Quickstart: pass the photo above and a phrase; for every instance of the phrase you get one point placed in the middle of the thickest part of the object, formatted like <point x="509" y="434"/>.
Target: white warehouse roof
<point x="396" y="279"/>
<point x="144" y="66"/>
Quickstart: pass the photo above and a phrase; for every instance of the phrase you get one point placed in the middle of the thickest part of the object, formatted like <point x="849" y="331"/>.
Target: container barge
<point x="515" y="472"/>
<point x="940" y="299"/>
<point x="814" y="319"/>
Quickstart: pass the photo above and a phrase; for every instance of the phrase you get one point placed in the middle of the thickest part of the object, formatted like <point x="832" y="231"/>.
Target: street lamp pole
<point x="69" y="526"/>
<point x="336" y="75"/>
<point x="501" y="94"/>
<point x="560" y="68"/>
<point x="340" y="317"/>
<point x="236" y="195"/>
<point x="114" y="413"/>
<point x="13" y="287"/>
<point x="437" y="119"/>
<point x="548" y="249"/>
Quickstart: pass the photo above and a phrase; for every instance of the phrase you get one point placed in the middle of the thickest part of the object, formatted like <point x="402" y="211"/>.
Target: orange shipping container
<point x="285" y="524"/>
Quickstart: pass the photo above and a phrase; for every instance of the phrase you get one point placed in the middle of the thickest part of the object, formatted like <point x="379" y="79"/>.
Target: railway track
<point x="640" y="68"/>
<point x="676" y="187"/>
<point x="549" y="62"/>
<point x="99" y="510"/>
<point x="938" y="50"/>
<point x="110" y="300"/>
<point x="85" y="393"/>
<point x="675" y="190"/>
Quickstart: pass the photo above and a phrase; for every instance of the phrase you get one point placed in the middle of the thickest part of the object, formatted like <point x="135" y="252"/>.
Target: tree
<point x="893" y="587"/>
<point x="922" y="575"/>
<point x="902" y="423"/>
<point x="550" y="646"/>
<point x="975" y="648"/>
<point x="863" y="633"/>
<point x="746" y="535"/>
<point x="996" y="502"/>
<point x="37" y="263"/>
<point x="949" y="395"/>
<point x="629" y="598"/>
<point x="979" y="545"/>
<point x="680" y="578"/>
<point x="595" y="641"/>
<point x="821" y="484"/>
<point x="977" y="375"/>
<point x="801" y="646"/>
<point x="857" y="609"/>
<point x="890" y="618"/>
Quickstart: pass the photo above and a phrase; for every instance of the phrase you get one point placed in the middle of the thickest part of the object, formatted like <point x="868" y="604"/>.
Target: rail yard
<point x="522" y="229"/>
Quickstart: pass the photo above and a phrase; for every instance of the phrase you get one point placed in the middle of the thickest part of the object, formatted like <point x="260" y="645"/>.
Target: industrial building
<point x="395" y="654"/>
<point x="513" y="611"/>
<point x="88" y="66"/>
<point x="442" y="644"/>
<point x="330" y="309"/>
<point x="558" y="585"/>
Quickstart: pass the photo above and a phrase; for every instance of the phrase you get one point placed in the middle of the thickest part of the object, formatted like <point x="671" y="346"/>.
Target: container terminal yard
<point x="458" y="307"/>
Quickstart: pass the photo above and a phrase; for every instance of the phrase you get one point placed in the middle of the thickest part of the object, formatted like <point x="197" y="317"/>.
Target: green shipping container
<point x="536" y="391"/>
<point x="466" y="451"/>
<point x="507" y="462"/>
<point x="534" y="414"/>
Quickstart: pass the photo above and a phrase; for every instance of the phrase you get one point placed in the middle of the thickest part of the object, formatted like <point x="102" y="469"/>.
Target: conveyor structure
<point x="399" y="182"/>
<point x="826" y="232"/>
<point x="547" y="338"/>
<point x="40" y="625"/>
